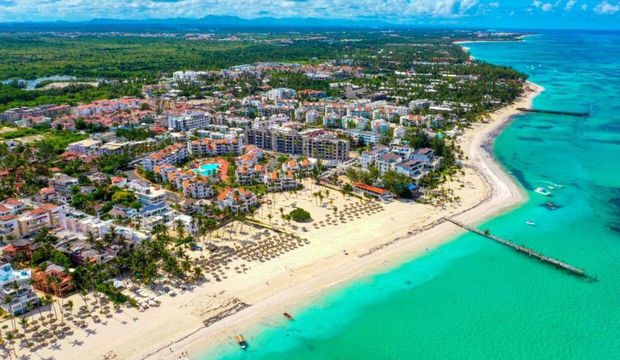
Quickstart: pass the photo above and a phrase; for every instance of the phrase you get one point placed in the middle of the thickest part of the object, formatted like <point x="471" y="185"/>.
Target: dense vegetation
<point x="14" y="96"/>
<point x="300" y="215"/>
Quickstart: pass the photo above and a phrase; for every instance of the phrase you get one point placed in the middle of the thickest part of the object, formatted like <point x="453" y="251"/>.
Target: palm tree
<point x="179" y="228"/>
<point x="55" y="284"/>
<point x="10" y="337"/>
<point x="49" y="300"/>
<point x="8" y="300"/>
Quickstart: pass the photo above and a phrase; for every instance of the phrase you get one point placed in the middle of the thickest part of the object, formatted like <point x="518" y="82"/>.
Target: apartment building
<point x="237" y="200"/>
<point x="214" y="147"/>
<point x="277" y="181"/>
<point x="63" y="183"/>
<point x="189" y="121"/>
<point x="249" y="175"/>
<point x="311" y="143"/>
<point x="15" y="286"/>
<point x="172" y="154"/>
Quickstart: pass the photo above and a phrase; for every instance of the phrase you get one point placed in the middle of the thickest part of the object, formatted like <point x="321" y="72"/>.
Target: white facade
<point x="189" y="121"/>
<point x="15" y="285"/>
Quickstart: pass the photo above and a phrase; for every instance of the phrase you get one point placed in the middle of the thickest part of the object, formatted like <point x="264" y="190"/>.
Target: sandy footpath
<point x="348" y="239"/>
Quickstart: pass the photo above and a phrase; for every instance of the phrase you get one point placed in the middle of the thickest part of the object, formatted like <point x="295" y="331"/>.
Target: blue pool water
<point x="208" y="169"/>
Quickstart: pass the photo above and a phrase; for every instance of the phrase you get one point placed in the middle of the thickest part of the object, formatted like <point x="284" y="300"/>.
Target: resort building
<point x="427" y="156"/>
<point x="366" y="137"/>
<point x="310" y="143"/>
<point x="303" y="166"/>
<point x="214" y="147"/>
<point x="63" y="183"/>
<point x="44" y="216"/>
<point x="387" y="162"/>
<point x="249" y="175"/>
<point x="276" y="181"/>
<point x="189" y="121"/>
<point x="237" y="200"/>
<point x="197" y="188"/>
<point x="369" y="157"/>
<point x="13" y="205"/>
<point x="372" y="191"/>
<point x="412" y="168"/>
<point x="280" y="93"/>
<point x="85" y="147"/>
<point x="193" y="183"/>
<point x="9" y="227"/>
<point x="172" y="154"/>
<point x="16" y="293"/>
<point x="320" y="144"/>
<point x="53" y="280"/>
<point x="251" y="156"/>
<point x="151" y="196"/>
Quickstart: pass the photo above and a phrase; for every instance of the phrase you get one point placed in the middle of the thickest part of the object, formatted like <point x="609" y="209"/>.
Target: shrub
<point x="300" y="215"/>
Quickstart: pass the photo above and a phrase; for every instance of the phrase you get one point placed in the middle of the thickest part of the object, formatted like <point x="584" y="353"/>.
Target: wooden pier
<point x="527" y="251"/>
<point x="555" y="112"/>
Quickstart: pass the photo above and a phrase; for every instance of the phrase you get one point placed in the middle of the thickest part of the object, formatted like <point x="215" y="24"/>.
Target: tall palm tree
<point x="8" y="300"/>
<point x="179" y="228"/>
<point x="55" y="285"/>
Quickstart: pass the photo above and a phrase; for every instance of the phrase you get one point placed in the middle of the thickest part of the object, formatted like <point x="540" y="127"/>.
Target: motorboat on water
<point x="241" y="341"/>
<point x="551" y="206"/>
<point x="288" y="316"/>
<point x="530" y="223"/>
<point x="542" y="191"/>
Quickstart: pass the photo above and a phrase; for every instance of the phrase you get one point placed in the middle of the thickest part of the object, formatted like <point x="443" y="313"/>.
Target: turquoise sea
<point x="472" y="298"/>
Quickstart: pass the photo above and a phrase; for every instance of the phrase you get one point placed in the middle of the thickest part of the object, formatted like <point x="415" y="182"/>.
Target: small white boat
<point x="530" y="223"/>
<point x="542" y="191"/>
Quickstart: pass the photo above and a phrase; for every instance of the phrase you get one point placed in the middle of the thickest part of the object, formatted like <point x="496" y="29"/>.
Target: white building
<point x="85" y="147"/>
<point x="151" y="196"/>
<point x="369" y="157"/>
<point x="280" y="93"/>
<point x="172" y="154"/>
<point x="237" y="200"/>
<point x="189" y="121"/>
<point x="15" y="286"/>
<point x="387" y="162"/>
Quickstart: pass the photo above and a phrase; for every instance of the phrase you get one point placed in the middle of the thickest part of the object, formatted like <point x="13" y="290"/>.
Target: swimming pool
<point x="208" y="169"/>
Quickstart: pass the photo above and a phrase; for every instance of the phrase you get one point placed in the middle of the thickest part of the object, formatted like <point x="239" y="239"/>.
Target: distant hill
<point x="196" y="25"/>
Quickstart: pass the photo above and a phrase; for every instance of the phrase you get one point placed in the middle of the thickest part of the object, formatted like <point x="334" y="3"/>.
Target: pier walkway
<point x="555" y="112"/>
<point x="524" y="250"/>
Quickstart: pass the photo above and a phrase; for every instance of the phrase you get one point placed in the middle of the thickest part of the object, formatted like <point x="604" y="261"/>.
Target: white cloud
<point x="546" y="7"/>
<point x="21" y="10"/>
<point x="543" y="6"/>
<point x="605" y="8"/>
<point x="584" y="7"/>
<point x="569" y="5"/>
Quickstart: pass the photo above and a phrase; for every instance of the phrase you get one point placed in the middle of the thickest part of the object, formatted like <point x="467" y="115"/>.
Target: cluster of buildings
<point x="313" y="143"/>
<point x="41" y="111"/>
<point x="405" y="160"/>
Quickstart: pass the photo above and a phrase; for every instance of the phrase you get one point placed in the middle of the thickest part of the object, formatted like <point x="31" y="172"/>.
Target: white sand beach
<point x="355" y="239"/>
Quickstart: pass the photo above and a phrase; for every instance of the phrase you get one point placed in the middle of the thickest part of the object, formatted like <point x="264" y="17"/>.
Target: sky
<point x="602" y="14"/>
